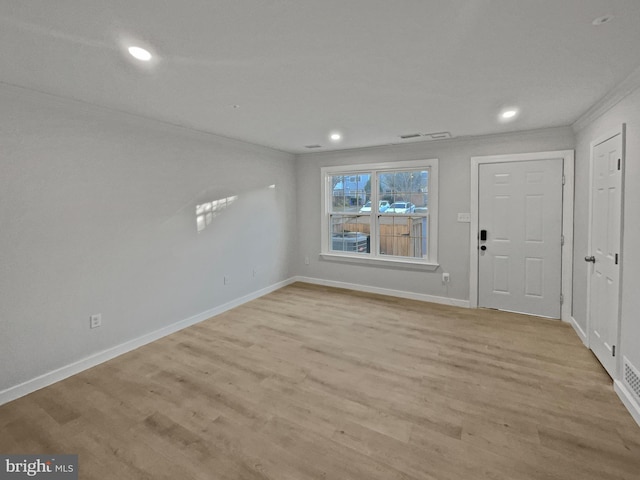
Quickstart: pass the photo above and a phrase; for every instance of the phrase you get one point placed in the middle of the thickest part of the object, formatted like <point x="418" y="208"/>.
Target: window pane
<point x="407" y="189"/>
<point x="350" y="233"/>
<point x="349" y="192"/>
<point x="403" y="235"/>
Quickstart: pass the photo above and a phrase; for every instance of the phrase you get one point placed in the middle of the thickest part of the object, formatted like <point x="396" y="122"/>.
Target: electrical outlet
<point x="227" y="280"/>
<point x="464" y="217"/>
<point x="306" y="260"/>
<point x="95" y="321"/>
<point x="446" y="278"/>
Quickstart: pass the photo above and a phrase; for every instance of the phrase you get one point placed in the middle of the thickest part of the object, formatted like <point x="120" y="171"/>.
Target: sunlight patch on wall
<point x="206" y="212"/>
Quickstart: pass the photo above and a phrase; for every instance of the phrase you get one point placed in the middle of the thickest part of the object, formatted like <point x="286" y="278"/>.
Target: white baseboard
<point x="54" y="376"/>
<point x="385" y="291"/>
<point x="628" y="400"/>
<point x="581" y="333"/>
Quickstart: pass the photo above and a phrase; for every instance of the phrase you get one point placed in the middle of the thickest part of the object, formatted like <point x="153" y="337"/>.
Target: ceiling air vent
<point x="427" y="136"/>
<point x="313" y="146"/>
<point x="437" y="136"/>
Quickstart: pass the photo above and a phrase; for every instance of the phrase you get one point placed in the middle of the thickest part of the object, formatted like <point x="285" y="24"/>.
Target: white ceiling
<point x="299" y="69"/>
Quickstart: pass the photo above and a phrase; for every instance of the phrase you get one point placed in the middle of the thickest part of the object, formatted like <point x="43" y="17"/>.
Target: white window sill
<point x="381" y="262"/>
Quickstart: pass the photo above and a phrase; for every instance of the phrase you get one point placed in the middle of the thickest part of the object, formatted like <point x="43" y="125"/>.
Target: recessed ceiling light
<point x="602" y="20"/>
<point x="335" y="136"/>
<point x="508" y="114"/>
<point x="140" y="53"/>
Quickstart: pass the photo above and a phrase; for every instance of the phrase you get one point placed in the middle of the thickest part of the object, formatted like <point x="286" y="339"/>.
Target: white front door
<point x="520" y="236"/>
<point x="606" y="211"/>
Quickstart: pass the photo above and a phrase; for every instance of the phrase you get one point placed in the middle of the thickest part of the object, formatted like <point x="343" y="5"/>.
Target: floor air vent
<point x="632" y="379"/>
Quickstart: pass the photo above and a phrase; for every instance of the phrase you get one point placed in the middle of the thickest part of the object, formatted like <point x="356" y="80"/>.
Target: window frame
<point x="374" y="257"/>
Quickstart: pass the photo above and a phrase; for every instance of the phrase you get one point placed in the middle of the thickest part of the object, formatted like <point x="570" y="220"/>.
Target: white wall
<point x="454" y="187"/>
<point x="97" y="215"/>
<point x="627" y="111"/>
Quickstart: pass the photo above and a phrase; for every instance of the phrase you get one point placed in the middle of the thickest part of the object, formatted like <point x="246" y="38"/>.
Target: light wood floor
<point x="317" y="383"/>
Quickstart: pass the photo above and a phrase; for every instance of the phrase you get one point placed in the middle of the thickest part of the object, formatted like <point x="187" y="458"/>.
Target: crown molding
<point x="617" y="94"/>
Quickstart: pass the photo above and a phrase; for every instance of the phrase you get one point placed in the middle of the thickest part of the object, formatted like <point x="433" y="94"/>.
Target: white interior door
<point x="604" y="286"/>
<point x="520" y="261"/>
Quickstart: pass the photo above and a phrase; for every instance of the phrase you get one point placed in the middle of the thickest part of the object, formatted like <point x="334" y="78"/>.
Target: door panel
<point x="605" y="244"/>
<point x="501" y="274"/>
<point x="534" y="212"/>
<point x="520" y="206"/>
<point x="534" y="276"/>
<point x="501" y="217"/>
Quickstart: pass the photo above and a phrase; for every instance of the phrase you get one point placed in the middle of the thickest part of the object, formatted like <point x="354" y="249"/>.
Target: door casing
<point x="567" y="220"/>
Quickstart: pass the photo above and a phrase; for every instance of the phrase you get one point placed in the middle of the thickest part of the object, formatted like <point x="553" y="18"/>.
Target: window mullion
<point x="375" y="214"/>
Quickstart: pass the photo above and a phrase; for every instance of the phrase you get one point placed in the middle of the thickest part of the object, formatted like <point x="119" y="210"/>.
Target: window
<point x="381" y="213"/>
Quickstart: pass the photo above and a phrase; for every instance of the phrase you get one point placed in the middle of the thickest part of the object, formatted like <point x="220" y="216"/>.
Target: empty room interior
<point x="271" y="239"/>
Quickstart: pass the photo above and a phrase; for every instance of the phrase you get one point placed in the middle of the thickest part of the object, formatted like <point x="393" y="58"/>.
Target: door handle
<point x="591" y="259"/>
<point x="483" y="235"/>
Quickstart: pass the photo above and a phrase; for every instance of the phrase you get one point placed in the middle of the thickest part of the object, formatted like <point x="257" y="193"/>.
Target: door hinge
<point x="561" y="239"/>
<point x="616" y="258"/>
<point x="561" y="299"/>
<point x="619" y="164"/>
<point x="613" y="350"/>
<point x="563" y="179"/>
